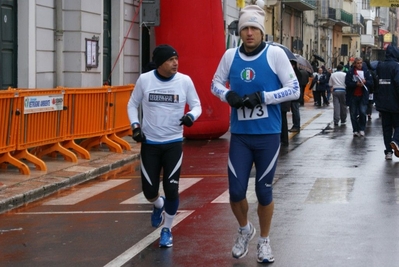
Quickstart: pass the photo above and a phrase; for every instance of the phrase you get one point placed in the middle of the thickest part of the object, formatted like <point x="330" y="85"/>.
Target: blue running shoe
<point x="166" y="240"/>
<point x="157" y="215"/>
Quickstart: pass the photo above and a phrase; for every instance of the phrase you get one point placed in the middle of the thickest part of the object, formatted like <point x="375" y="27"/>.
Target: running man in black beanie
<point x="163" y="94"/>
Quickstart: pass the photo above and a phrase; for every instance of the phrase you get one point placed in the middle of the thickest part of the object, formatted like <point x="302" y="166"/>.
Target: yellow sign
<point x="240" y="3"/>
<point x="388" y="37"/>
<point x="387" y="3"/>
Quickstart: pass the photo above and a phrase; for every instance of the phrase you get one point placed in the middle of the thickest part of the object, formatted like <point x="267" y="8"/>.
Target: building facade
<point x="88" y="43"/>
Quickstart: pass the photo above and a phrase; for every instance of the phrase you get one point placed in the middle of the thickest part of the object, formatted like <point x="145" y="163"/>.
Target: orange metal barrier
<point x="88" y="118"/>
<point x="42" y="122"/>
<point x="119" y="120"/>
<point x="8" y="122"/>
<point x="42" y="126"/>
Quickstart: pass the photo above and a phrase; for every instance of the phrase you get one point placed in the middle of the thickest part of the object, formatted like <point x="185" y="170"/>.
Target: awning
<point x="382" y="31"/>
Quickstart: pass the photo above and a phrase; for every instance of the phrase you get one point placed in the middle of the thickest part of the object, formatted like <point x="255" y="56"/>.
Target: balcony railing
<point x="336" y="16"/>
<point x="301" y="5"/>
<point x="354" y="31"/>
<point x="368" y="39"/>
<point x="332" y="13"/>
<point x="345" y="16"/>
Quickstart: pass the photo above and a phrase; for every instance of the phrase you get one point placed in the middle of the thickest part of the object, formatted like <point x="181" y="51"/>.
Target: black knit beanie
<point x="162" y="53"/>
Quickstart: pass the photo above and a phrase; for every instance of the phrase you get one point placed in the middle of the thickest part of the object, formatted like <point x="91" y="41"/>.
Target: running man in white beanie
<point x="260" y="77"/>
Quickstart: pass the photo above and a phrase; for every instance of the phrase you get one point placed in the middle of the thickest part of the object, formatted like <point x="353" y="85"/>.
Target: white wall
<point x="38" y="59"/>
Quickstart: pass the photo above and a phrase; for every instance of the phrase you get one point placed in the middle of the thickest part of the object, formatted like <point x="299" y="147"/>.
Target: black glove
<point x="138" y="135"/>
<point x="252" y="100"/>
<point x="234" y="99"/>
<point x="187" y="120"/>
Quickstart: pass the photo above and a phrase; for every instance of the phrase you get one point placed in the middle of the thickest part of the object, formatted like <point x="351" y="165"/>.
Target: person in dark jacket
<point x="305" y="75"/>
<point x="386" y="98"/>
<point x="370" y="104"/>
<point x="321" y="82"/>
<point x="357" y="81"/>
<point x="296" y="116"/>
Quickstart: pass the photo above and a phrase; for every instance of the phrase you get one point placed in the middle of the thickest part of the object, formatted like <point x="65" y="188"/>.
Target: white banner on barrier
<point x="36" y="104"/>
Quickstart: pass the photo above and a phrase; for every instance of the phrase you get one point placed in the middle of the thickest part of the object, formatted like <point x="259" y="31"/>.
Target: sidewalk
<point x="17" y="190"/>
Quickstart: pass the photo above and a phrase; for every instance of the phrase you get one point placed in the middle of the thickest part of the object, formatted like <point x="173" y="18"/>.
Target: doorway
<point x="8" y="44"/>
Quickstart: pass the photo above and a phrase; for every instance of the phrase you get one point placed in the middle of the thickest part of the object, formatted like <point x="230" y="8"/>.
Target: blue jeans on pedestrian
<point x="358" y="114"/>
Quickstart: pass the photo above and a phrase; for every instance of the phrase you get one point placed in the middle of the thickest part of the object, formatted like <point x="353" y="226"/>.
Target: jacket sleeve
<point x="396" y="79"/>
<point x="369" y="80"/>
<point x="193" y="100"/>
<point x="349" y="81"/>
<point x="220" y="78"/>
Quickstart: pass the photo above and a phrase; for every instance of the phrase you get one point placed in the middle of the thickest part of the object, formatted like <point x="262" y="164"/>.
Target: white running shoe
<point x="264" y="254"/>
<point x="388" y="156"/>
<point x="240" y="248"/>
<point x="361" y="133"/>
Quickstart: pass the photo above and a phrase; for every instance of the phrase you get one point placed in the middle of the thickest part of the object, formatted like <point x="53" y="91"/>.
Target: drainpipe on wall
<point x="273" y="18"/>
<point x="140" y="39"/>
<point x="302" y="36"/>
<point x="59" y="40"/>
<point x="225" y="15"/>
<point x="281" y="21"/>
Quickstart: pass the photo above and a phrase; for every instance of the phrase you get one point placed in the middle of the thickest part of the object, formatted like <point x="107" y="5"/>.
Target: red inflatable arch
<point x="195" y="29"/>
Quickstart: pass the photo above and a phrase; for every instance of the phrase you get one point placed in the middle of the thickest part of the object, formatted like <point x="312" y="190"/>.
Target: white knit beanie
<point x="253" y="16"/>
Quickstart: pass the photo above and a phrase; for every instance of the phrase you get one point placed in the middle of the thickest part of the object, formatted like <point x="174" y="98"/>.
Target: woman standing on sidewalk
<point x="321" y="82"/>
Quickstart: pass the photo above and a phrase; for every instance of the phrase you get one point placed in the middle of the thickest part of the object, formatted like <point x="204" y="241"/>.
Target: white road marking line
<point x="184" y="183"/>
<point x="85" y="193"/>
<point x="143" y="243"/>
<point x="251" y="195"/>
<point x="10" y="230"/>
<point x="330" y="190"/>
<point x="87" y="212"/>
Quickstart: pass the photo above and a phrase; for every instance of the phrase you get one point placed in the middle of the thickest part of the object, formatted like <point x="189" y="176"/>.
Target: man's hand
<point x="187" y="120"/>
<point x="234" y="99"/>
<point x="138" y="134"/>
<point x="252" y="100"/>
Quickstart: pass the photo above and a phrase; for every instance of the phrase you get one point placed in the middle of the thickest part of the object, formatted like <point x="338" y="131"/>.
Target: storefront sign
<point x="388" y="37"/>
<point x="386" y="3"/>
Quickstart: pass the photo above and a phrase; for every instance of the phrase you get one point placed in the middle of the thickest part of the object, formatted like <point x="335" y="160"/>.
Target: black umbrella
<point x="302" y="63"/>
<point x="319" y="58"/>
<point x="288" y="52"/>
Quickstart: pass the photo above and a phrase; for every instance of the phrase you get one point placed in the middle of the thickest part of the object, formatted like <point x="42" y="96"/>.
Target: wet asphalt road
<point x="336" y="204"/>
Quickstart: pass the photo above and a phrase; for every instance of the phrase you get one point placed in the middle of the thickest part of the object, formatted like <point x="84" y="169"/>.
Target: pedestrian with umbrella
<point x="319" y="58"/>
<point x="306" y="71"/>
